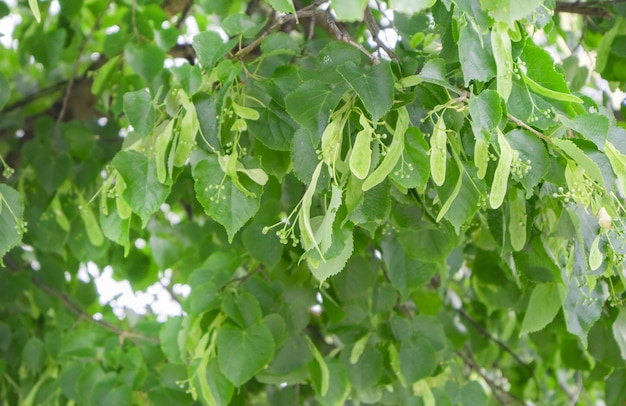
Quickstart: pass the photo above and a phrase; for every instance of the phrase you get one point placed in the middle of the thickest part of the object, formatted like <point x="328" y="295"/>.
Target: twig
<point x="500" y="344"/>
<point x="184" y="14"/>
<point x="495" y="388"/>
<point x="525" y="126"/>
<point x="308" y="11"/>
<point x="280" y="20"/>
<point x="374" y="29"/>
<point x="81" y="50"/>
<point x="344" y="36"/>
<point x="588" y="8"/>
<point x="485" y="333"/>
<point x="67" y="302"/>
<point x="169" y="290"/>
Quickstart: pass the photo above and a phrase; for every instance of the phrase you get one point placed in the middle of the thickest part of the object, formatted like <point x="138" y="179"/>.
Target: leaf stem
<point x="525" y="126"/>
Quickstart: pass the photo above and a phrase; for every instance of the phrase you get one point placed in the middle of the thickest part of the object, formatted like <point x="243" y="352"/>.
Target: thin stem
<point x="67" y="302"/>
<point x="81" y="50"/>
<point x="525" y="126"/>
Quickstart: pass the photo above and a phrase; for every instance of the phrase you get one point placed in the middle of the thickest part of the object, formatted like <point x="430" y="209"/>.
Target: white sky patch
<point x="120" y="296"/>
<point x="140" y="243"/>
<point x="55" y="7"/>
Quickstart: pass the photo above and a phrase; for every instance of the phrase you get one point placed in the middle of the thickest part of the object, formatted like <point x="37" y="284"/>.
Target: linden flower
<point x="604" y="219"/>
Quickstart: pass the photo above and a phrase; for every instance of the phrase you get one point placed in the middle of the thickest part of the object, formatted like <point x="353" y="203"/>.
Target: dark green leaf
<point x="242" y="353"/>
<point x="310" y="105"/>
<point x="418" y="359"/>
<point x="139" y="110"/>
<point x="374" y="85"/>
<point x="145" y="59"/>
<point x="210" y="47"/>
<point x="475" y="56"/>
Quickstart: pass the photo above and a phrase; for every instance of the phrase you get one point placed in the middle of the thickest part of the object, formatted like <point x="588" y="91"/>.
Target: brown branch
<point x="525" y="126"/>
<point x="375" y="30"/>
<point x="280" y="21"/>
<point x="81" y="50"/>
<point x="500" y="344"/>
<point x="67" y="302"/>
<point x="496" y="389"/>
<point x="485" y="333"/>
<point x="587" y="8"/>
<point x="344" y="36"/>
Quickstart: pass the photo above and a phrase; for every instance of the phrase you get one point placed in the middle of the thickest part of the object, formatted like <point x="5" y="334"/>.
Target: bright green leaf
<point x="221" y="198"/>
<point x="545" y="302"/>
<point x="144" y="193"/>
<point x="11" y="219"/>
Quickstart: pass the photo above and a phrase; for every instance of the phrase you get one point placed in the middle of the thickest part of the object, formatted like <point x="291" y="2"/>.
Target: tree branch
<point x="374" y="29"/>
<point x="587" y="8"/>
<point x="495" y="387"/>
<point x="81" y="50"/>
<point x="67" y="302"/>
<point x="525" y="126"/>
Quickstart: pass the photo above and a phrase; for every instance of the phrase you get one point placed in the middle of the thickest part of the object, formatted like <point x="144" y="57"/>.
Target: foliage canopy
<point x="390" y="202"/>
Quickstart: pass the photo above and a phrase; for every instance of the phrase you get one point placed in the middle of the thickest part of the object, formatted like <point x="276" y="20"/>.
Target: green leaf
<point x="476" y="56"/>
<point x="168" y="339"/>
<point x="532" y="151"/>
<point x="5" y="91"/>
<point x="283" y="6"/>
<point x="418" y="359"/>
<point x="139" y="110"/>
<point x="582" y="160"/>
<point x="461" y="194"/>
<point x="580" y="314"/>
<point x="34" y="354"/>
<point x="509" y="11"/>
<point x="34" y="7"/>
<point x="324" y="372"/>
<point x="374" y="85"/>
<point x="52" y="170"/>
<point x="413" y="170"/>
<point x="310" y="105"/>
<point x="210" y="47"/>
<point x="405" y="273"/>
<point x="242" y="353"/>
<point x="428" y="244"/>
<point x="593" y="126"/>
<point x="144" y="193"/>
<point x="266" y="249"/>
<point x="367" y="371"/>
<point x="411" y="6"/>
<point x="221" y="198"/>
<point x="145" y="59"/>
<point x="11" y="219"/>
<point x="545" y="302"/>
<point x="331" y="266"/>
<point x="349" y="10"/>
<point x="619" y="332"/>
<point x="486" y="111"/>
